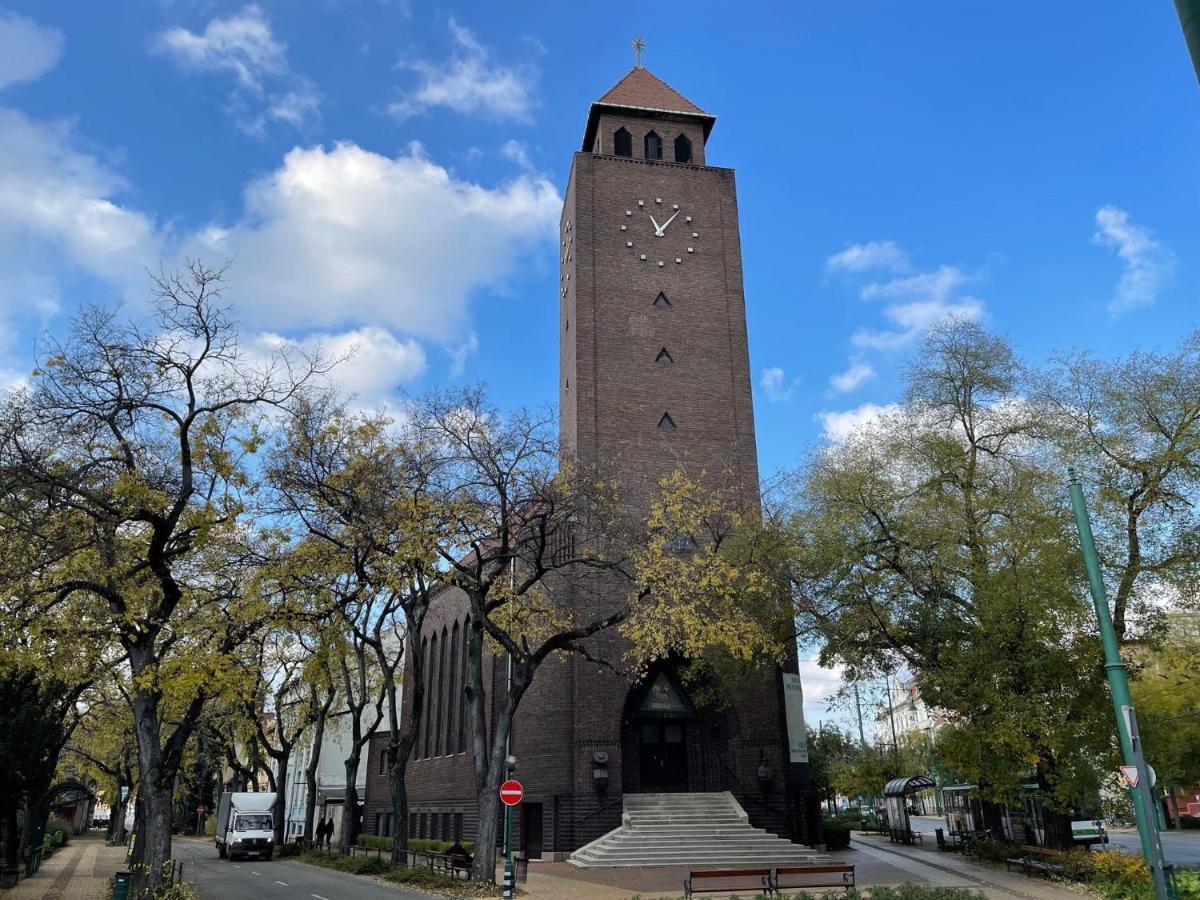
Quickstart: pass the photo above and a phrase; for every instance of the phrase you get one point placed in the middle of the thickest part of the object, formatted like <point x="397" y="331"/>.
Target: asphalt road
<point x="279" y="879"/>
<point x="1180" y="848"/>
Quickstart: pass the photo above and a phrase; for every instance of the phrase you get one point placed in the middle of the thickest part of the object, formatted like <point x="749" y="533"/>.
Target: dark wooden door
<point x="663" y="755"/>
<point x="531" y="830"/>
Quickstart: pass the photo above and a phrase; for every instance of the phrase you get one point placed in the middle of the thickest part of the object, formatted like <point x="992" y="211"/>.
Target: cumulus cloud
<point x="871" y="255"/>
<point x="857" y="374"/>
<point x="917" y="303"/>
<point x="1148" y="263"/>
<point x="469" y="82"/>
<point x="27" y="50"/>
<point x="775" y="384"/>
<point x="244" y="46"/>
<point x="839" y="425"/>
<point x="374" y="362"/>
<point x="344" y="235"/>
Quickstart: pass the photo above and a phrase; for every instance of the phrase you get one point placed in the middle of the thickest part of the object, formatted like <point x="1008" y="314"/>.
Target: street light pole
<point x="1118" y="685"/>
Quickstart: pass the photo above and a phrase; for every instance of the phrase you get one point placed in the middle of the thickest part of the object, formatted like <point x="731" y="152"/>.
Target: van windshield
<point x="252" y="823"/>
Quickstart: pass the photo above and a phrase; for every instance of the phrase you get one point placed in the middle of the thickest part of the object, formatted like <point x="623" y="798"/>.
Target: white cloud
<point x="244" y="45"/>
<point x="1149" y="264"/>
<point x="775" y="384"/>
<point x="919" y="302"/>
<point x="345" y="235"/>
<point x="871" y="255"/>
<point x="469" y="82"/>
<point x="27" y="50"/>
<point x="840" y="425"/>
<point x="819" y="685"/>
<point x="857" y="374"/>
<point x="375" y="362"/>
<point x="515" y="151"/>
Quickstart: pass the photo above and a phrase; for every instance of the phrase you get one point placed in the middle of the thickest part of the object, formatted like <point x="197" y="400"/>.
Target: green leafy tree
<point x="939" y="539"/>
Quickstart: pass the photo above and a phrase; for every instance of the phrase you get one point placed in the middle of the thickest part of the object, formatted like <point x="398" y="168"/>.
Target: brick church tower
<point x="654" y="376"/>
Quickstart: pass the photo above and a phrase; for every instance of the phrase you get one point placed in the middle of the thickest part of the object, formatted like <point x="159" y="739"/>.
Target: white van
<point x="246" y="825"/>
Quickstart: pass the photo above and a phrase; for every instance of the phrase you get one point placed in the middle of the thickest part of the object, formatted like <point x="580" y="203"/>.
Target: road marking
<point x="318" y="896"/>
<point x="259" y="874"/>
<point x="284" y="883"/>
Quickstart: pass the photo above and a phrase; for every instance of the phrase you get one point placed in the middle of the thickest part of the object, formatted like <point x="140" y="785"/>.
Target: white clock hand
<point x="663" y="228"/>
<point x="657" y="227"/>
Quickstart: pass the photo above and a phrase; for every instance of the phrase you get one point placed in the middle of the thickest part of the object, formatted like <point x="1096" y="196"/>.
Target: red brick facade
<point x="615" y="389"/>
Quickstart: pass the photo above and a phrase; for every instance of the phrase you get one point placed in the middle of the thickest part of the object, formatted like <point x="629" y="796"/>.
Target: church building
<point x="654" y="375"/>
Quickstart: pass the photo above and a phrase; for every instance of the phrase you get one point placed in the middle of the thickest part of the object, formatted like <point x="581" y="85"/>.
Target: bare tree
<point x="136" y="442"/>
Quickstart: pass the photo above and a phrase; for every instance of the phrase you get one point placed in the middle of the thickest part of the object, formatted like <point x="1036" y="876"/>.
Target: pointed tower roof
<point x="641" y="92"/>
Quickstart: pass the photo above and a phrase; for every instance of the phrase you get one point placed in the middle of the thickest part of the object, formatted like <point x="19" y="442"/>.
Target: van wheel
<point x="267" y="858"/>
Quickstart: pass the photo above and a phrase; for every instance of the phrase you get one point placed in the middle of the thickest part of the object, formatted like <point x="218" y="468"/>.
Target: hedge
<point x="837" y="834"/>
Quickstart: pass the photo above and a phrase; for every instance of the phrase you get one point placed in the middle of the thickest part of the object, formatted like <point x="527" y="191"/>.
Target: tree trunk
<point x="396" y="774"/>
<point x="350" y="805"/>
<point x="12" y="837"/>
<point x="310" y="777"/>
<point x="278" y="811"/>
<point x="154" y="791"/>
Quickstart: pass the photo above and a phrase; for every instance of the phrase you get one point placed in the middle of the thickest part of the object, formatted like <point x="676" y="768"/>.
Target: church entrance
<point x="663" y="755"/>
<point x="659" y="712"/>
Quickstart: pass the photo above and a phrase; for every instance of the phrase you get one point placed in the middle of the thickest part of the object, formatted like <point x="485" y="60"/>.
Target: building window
<point x="653" y="146"/>
<point x="683" y="149"/>
<point x="446" y="827"/>
<point x="661" y="300"/>
<point x="451" y="694"/>
<point x="421" y="825"/>
<point x="441" y="698"/>
<point x="458" y="826"/>
<point x="430" y="696"/>
<point x="666" y="423"/>
<point x="462" y="709"/>
<point x="383" y="755"/>
<point x="622" y="143"/>
<point x="412" y="825"/>
<point x="663" y="358"/>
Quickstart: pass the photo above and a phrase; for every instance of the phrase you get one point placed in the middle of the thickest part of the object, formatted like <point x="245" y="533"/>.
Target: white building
<point x="331" y="775"/>
<point x="907" y="712"/>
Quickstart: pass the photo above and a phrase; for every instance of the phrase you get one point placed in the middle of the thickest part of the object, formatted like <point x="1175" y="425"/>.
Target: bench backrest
<point x="804" y="870"/>
<point x="728" y="873"/>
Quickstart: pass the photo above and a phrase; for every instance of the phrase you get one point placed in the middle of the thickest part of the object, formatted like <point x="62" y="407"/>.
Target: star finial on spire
<point x="639" y="44"/>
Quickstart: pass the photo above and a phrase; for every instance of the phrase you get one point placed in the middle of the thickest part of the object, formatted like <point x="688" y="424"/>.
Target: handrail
<point x="600" y="808"/>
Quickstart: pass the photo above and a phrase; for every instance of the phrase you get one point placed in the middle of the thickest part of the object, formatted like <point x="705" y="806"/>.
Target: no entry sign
<point x="511" y="793"/>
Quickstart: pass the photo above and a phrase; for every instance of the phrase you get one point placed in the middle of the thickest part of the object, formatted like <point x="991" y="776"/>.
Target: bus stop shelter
<point x="895" y="800"/>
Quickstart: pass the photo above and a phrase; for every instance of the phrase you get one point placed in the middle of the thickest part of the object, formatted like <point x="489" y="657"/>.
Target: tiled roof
<point x="643" y="89"/>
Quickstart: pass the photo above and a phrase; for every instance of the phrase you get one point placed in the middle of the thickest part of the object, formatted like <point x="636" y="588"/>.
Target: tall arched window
<point x="462" y="709"/>
<point x="453" y="689"/>
<point x="622" y="143"/>
<point x="430" y="695"/>
<point x="441" y="695"/>
<point x="683" y="149"/>
<point x="653" y="146"/>
<point x="424" y="730"/>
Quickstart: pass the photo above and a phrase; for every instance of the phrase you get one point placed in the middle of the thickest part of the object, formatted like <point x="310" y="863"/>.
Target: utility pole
<point x="892" y="716"/>
<point x="862" y="738"/>
<point x="1118" y="685"/>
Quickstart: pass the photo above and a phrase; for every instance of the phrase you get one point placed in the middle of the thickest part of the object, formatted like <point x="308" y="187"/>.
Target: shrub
<point x="1121" y="868"/>
<point x="837" y="834"/>
<point x="56" y="825"/>
<point x="1188" y="883"/>
<point x="1189" y="821"/>
<point x="174" y="892"/>
<point x="996" y="851"/>
<point x="374" y="842"/>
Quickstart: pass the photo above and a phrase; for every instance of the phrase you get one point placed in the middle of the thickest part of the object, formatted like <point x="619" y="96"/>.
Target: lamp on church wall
<point x="600" y="773"/>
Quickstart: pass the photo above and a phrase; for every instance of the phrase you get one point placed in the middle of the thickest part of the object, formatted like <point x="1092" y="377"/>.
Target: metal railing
<point x="438" y="863"/>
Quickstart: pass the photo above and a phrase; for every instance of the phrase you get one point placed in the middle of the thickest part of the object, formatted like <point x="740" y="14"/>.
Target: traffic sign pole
<point x="1118" y="685"/>
<point x="511" y="793"/>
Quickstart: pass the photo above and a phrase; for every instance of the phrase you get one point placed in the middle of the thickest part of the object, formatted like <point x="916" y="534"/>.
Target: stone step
<point x="697" y="859"/>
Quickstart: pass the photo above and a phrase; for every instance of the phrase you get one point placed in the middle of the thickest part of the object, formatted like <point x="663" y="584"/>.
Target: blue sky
<point x="387" y="175"/>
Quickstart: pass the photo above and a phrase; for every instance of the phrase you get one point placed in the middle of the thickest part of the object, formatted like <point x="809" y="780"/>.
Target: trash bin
<point x="122" y="882"/>
<point x="520" y="869"/>
<point x="941" y="838"/>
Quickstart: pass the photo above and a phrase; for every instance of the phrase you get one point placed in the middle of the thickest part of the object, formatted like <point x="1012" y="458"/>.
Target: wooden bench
<point x="747" y="880"/>
<point x="1038" y="859"/>
<point x="834" y="876"/>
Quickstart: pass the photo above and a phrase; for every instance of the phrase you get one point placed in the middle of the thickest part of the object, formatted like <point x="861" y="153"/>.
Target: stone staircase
<point x="689" y="830"/>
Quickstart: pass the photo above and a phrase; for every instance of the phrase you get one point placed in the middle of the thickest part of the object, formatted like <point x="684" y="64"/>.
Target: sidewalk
<point x="82" y="870"/>
<point x="876" y="862"/>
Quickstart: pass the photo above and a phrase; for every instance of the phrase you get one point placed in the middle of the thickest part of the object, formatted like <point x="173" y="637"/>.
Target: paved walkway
<point x="82" y="870"/>
<point x="875" y="861"/>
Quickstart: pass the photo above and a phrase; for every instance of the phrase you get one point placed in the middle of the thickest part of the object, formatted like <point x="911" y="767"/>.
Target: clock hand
<point x="657" y="227"/>
<point x="668" y="222"/>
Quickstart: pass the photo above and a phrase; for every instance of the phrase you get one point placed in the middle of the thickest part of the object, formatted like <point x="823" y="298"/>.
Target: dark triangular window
<point x="666" y="422"/>
<point x="663" y="358"/>
<point x="661" y="300"/>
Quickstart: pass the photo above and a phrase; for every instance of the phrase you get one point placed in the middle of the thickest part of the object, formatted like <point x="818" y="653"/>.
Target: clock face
<point x="659" y="232"/>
